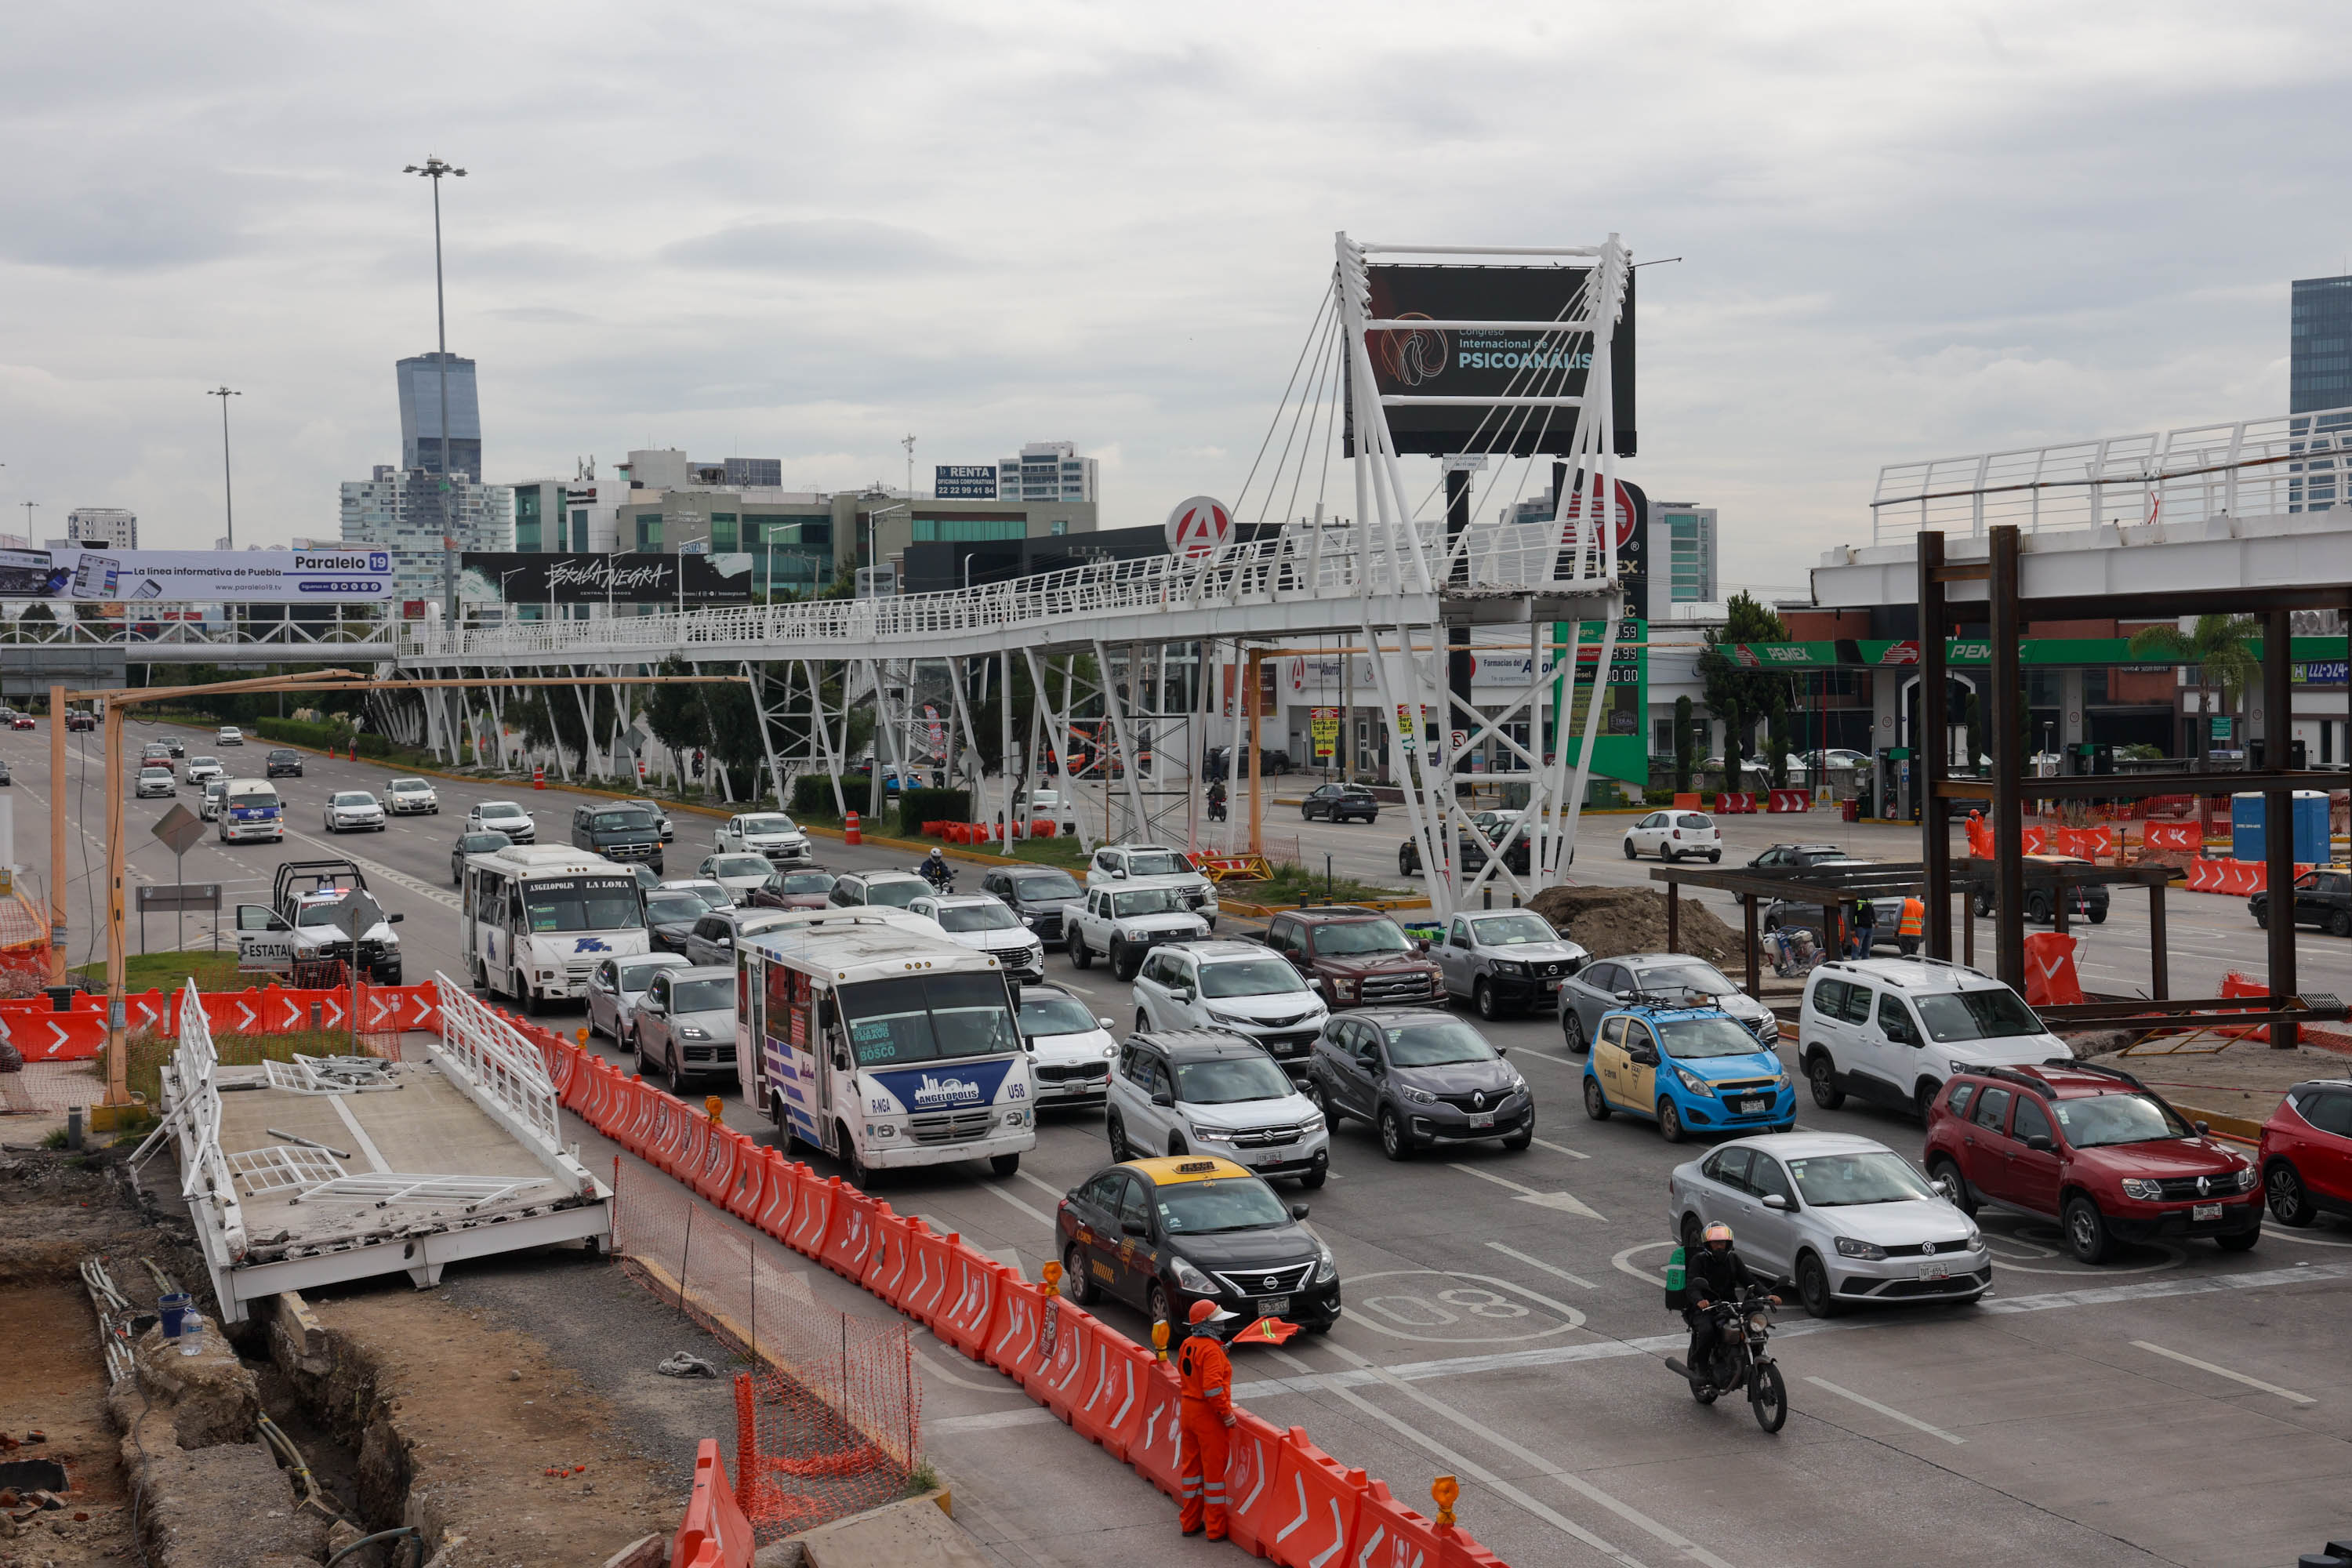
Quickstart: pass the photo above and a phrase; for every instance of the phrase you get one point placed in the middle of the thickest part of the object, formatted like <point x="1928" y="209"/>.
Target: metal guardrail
<point x="503" y="1064"/>
<point x="205" y="1176"/>
<point x="327" y="638"/>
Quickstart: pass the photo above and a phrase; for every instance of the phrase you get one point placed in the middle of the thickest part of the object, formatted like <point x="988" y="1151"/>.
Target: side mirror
<point x="1298" y="1211"/>
<point x="1118" y="876"/>
<point x="1105" y="1023"/>
<point x="1181" y="992"/>
<point x="1502" y="1051"/>
<point x="2039" y="1141"/>
<point x="2203" y="1128"/>
<point x="396" y="916"/>
<point x="1949" y="1188"/>
<point x="1163" y="1097"/>
<point x="1645" y="1056"/>
<point x="1776" y="1202"/>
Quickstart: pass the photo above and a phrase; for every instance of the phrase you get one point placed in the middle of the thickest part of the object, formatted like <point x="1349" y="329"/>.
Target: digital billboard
<point x="362" y="571"/>
<point x="1485" y="363"/>
<point x="627" y="578"/>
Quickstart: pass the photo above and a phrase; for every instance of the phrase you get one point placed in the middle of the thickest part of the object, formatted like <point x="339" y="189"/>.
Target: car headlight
<point x="1510" y="966"/>
<point x="1122" y="933"/>
<point x="1191" y="1279"/>
<point x="1313" y="1123"/>
<point x="1696" y="1084"/>
<point x="1344" y="987"/>
<point x="1782" y="1080"/>
<point x="1975" y="1241"/>
<point x="2147" y="1190"/>
<point x="694" y="1032"/>
<point x="1212" y="1134"/>
<point x="1016" y="1117"/>
<point x="2246" y="1178"/>
<point x="1233" y="1018"/>
<point x="1849" y="1247"/>
<point x="1418" y="1096"/>
<point x="1109" y="1052"/>
<point x="1327" y="1267"/>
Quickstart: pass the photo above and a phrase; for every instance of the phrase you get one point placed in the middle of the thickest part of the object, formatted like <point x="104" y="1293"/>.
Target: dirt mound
<point x="1608" y="921"/>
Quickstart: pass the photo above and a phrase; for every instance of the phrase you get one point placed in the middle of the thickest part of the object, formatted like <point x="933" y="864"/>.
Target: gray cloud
<point x="824" y="246"/>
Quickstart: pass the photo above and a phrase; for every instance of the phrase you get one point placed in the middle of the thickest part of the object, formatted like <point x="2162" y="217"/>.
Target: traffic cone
<point x="849" y="834"/>
<point x="538" y="775"/>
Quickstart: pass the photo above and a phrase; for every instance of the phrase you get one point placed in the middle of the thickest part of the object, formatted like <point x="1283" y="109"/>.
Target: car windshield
<point x="703" y="996"/>
<point x="583" y="903"/>
<point x="252" y="799"/>
<point x="808" y="882"/>
<point x="895" y="894"/>
<point x="1359" y="937"/>
<point x="410" y="786"/>
<point x="154" y="773"/>
<point x="1205" y="1208"/>
<point x="619" y="821"/>
<point x="1045" y="889"/>
<point x="1695" y="819"/>
<point x="353" y="797"/>
<point x="1046" y="1014"/>
<point x="1148" y="901"/>
<point x="666" y="909"/>
<point x="739" y="865"/>
<point x="203" y="762"/>
<point x="319" y="914"/>
<point x="989" y="916"/>
<point x="1231" y="1080"/>
<point x="1250" y="977"/>
<point x="1842" y="1181"/>
<point x="501" y="810"/>
<point x="1437" y="1044"/>
<point x="1991" y="1013"/>
<point x="1705" y="979"/>
<point x="483" y="843"/>
<point x="637" y="976"/>
<point x="284" y="757"/>
<point x="1158" y="863"/>
<point x="929" y="1018"/>
<point x="768" y="823"/>
<point x="1717" y="1036"/>
<point x="1513" y="930"/>
<point x="2098" y="1121"/>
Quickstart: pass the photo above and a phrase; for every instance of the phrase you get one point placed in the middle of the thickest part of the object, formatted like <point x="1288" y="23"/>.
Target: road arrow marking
<point x="1566" y="1202"/>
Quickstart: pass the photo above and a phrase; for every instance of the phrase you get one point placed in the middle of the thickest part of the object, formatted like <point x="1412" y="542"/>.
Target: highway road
<point x="1503" y="1324"/>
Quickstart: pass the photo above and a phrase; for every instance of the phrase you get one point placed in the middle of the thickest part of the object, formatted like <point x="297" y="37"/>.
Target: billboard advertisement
<point x="362" y="571"/>
<point x="963" y="481"/>
<point x="627" y="578"/>
<point x="1492" y="363"/>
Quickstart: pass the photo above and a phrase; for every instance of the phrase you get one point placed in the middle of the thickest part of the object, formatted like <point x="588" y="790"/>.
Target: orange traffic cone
<point x="849" y="834"/>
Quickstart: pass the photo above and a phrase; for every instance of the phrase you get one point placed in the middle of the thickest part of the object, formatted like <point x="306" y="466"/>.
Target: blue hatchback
<point x="1688" y="1069"/>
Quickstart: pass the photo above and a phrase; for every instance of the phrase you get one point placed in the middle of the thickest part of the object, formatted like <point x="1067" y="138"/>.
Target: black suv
<point x="281" y="763"/>
<point x="622" y="831"/>
<point x="1339" y="803"/>
<point x="2323" y="896"/>
<point x="1420" y="1080"/>
<point x="1163" y="1234"/>
<point x="1036" y="894"/>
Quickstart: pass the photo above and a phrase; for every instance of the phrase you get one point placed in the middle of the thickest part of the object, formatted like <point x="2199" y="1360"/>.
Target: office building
<point x="402" y="509"/>
<point x="421" y="437"/>
<point x="574" y="514"/>
<point x="103" y="528"/>
<point x="1046" y="471"/>
<point x="1689" y="533"/>
<point x="2319" y="343"/>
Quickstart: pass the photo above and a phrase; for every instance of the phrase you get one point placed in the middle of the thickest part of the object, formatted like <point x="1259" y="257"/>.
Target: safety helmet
<point x="935" y="853"/>
<point x="1206" y="1312"/>
<point x="1717" y="1232"/>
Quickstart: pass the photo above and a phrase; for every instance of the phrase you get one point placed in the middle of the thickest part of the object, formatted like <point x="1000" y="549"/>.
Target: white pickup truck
<point x="1124" y="923"/>
<point x="1156" y="865"/>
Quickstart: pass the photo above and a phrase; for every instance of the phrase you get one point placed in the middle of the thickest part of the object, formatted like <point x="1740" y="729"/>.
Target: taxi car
<point x="1688" y="1069"/>
<point x="1162" y="1234"/>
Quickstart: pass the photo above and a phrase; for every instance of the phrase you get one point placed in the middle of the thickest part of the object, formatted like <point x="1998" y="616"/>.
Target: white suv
<point x="1201" y="1092"/>
<point x="982" y="921"/>
<point x="768" y="833"/>
<point x="1892" y="1030"/>
<point x="1671" y="835"/>
<point x="1236" y="986"/>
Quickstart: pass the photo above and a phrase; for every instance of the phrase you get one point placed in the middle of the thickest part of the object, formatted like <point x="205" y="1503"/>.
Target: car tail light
<point x="1678" y="833"/>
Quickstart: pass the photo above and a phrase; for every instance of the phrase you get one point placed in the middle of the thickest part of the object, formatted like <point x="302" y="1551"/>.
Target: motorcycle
<point x="942" y="879"/>
<point x="1791" y="950"/>
<point x="1735" y="1359"/>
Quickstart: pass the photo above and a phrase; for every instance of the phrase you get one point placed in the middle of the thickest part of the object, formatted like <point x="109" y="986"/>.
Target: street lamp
<point x="228" y="496"/>
<point x="874" y="537"/>
<point x="434" y="169"/>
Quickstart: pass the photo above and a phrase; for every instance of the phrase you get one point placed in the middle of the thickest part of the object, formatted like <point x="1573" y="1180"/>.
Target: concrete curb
<point x="796" y="1551"/>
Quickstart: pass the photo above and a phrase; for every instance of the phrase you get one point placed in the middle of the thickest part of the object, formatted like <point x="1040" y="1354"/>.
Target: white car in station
<point x="155" y="780"/>
<point x="203" y="770"/>
<point x="768" y="833"/>
<point x="1674" y="835"/>
<point x="355" y="811"/>
<point x="982" y="922"/>
<point x="503" y="816"/>
<point x="1239" y="987"/>
<point x="1070" y="1051"/>
<point x="739" y="874"/>
<point x="230" y="735"/>
<point x="413" y="797"/>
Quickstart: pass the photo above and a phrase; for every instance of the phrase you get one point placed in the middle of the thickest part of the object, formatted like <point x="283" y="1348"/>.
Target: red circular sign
<point x="1622" y="512"/>
<point x="1201" y="526"/>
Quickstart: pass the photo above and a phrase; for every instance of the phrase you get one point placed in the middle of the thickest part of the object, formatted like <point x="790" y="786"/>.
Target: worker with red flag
<point x="1205" y="1377"/>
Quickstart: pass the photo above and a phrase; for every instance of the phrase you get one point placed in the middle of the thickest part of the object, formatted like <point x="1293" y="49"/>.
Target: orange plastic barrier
<point x="1387" y="1531"/>
<point x="1113" y="1410"/>
<point x="1057" y="1384"/>
<point x="2236" y="877"/>
<point x="46" y="1037"/>
<point x="1252" y="1464"/>
<point x="560" y="1071"/>
<point x="1735" y="803"/>
<point x="782" y="1196"/>
<point x="2037" y="841"/>
<point x="1315" y="1500"/>
<point x="722" y="1149"/>
<point x="969" y="1300"/>
<point x="1687" y="800"/>
<point x="812" y="1214"/>
<point x="2176" y="837"/>
<point x="926" y="1295"/>
<point x="714" y="1531"/>
<point x="597" y="1095"/>
<point x="749" y="1185"/>
<point x="691" y="1143"/>
<point x="888" y="1266"/>
<point x="1013" y="1327"/>
<point x="1786" y="800"/>
<point x="672" y="1124"/>
<point x="2087" y="843"/>
<point x="1152" y="1450"/>
<point x="848" y="1235"/>
<point x="2049" y="978"/>
<point x="644" y="1112"/>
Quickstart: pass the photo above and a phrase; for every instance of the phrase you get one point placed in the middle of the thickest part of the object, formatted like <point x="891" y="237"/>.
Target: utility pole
<point x="228" y="496"/>
<point x="435" y="170"/>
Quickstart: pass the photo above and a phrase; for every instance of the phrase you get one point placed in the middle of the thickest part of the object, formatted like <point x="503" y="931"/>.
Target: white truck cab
<point x="1123" y="924"/>
<point x="1129" y="865"/>
<point x="1890" y="1030"/>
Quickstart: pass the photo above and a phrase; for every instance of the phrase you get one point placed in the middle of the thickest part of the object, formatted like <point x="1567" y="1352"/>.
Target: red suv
<point x="2093" y="1148"/>
<point x="2307" y="1154"/>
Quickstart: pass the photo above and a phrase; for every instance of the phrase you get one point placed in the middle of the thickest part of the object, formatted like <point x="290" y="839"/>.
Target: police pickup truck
<point x="296" y="928"/>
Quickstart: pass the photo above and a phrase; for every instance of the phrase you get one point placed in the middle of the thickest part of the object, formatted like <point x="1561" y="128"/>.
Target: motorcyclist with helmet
<point x="1714" y="1272"/>
<point x="936" y="870"/>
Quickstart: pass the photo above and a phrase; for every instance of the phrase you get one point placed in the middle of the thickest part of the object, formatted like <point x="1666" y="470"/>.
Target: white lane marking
<point x="359" y="1133"/>
<point x="2286" y="1393"/>
<point x="1040" y="1216"/>
<point x="1539" y="1263"/>
<point x="1566" y="1202"/>
<point x="1048" y="1188"/>
<point x="1687" y="1549"/>
<point x="1886" y="1410"/>
<point x="1564" y="1061"/>
<point x="1560" y="1149"/>
<point x="1028" y="1415"/>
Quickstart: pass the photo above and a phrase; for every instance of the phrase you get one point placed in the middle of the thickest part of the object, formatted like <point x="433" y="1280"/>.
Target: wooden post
<point x="56" y="836"/>
<point x="118" y="1067"/>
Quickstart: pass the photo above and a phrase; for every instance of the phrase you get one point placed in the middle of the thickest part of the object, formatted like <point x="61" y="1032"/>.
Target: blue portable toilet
<point x="2307" y="821"/>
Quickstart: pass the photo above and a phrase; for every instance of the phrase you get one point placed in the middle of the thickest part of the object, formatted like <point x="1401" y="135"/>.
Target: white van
<point x="1892" y="1030"/>
<point x="250" y="809"/>
<point x="539" y="919"/>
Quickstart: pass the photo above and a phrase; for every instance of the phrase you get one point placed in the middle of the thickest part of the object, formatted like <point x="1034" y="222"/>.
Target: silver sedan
<point x="1847" y="1219"/>
<point x="613" y="987"/>
<point x="684" y="1025"/>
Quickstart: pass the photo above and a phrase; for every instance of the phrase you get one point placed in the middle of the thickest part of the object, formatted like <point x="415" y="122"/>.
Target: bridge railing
<point x="327" y="638"/>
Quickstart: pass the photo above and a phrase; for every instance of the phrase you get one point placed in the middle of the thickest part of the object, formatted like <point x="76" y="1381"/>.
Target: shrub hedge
<point x="293" y="731"/>
<point x="917" y="806"/>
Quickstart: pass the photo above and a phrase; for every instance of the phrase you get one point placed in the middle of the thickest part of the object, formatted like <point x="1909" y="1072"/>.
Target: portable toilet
<point x="2307" y="821"/>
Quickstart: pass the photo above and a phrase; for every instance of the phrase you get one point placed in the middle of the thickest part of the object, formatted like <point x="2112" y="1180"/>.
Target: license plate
<point x="1551" y="984"/>
<point x="1486" y="1120"/>
<point x="1273" y="1305"/>
<point x="1753" y="1107"/>
<point x="1934" y="1272"/>
<point x="2197" y="1211"/>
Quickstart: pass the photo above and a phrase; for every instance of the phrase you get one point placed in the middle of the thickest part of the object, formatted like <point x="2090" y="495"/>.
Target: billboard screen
<point x="362" y="571"/>
<point x="965" y="481"/>
<point x="630" y="578"/>
<point x="1448" y="363"/>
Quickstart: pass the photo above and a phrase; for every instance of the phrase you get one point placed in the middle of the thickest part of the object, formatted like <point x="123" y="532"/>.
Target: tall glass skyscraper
<point x="420" y="417"/>
<point x="2319" y="375"/>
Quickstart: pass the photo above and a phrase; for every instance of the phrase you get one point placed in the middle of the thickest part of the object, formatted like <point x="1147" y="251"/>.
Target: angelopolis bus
<point x="539" y="919"/>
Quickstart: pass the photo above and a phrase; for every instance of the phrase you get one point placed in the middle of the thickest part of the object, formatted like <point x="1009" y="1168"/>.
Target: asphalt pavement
<point x="1504" y="1318"/>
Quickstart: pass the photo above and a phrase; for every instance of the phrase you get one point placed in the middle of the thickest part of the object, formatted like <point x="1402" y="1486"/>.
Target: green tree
<point x="2219" y="653"/>
<point x="1683" y="745"/>
<point x="1736" y="692"/>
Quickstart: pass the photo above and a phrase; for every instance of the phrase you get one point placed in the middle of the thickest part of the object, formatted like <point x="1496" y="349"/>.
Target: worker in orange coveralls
<point x="1206" y="1377"/>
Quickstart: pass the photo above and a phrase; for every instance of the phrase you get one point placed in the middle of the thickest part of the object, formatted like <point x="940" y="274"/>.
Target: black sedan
<point x="1036" y="894"/>
<point x="1339" y="803"/>
<point x="472" y="843"/>
<point x="1419" y="1080"/>
<point x="283" y="762"/>
<point x="1162" y="1234"/>
<point x="670" y="914"/>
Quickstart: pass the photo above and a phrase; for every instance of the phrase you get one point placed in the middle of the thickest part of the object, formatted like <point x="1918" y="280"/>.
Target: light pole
<point x="229" y="495"/>
<point x="434" y="169"/>
<point x="873" y="539"/>
<point x="967" y="569"/>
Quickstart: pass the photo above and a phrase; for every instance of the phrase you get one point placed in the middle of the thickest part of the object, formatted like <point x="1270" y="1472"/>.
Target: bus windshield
<point x="583" y="903"/>
<point x="929" y="1018"/>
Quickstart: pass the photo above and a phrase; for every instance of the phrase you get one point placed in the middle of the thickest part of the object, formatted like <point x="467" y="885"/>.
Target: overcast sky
<point x="804" y="231"/>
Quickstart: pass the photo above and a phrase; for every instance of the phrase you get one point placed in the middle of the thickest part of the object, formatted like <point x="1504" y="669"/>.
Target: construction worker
<point x="1206" y="1413"/>
<point x="1913" y="926"/>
